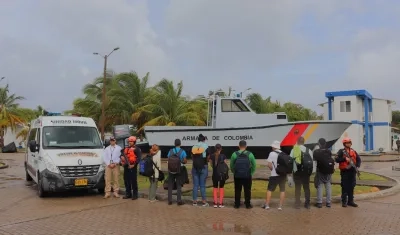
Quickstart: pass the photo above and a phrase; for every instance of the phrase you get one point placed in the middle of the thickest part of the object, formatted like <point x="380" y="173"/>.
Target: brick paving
<point x="22" y="212"/>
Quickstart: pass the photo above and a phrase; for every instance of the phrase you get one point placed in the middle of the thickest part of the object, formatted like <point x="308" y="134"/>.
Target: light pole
<point x="241" y="93"/>
<point x="103" y="98"/>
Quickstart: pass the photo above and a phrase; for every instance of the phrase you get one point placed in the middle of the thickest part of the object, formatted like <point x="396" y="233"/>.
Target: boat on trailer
<point x="230" y="119"/>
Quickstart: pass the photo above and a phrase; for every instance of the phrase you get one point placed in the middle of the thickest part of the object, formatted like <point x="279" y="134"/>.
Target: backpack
<point x="222" y="170"/>
<point x="197" y="158"/>
<point x="242" y="165"/>
<point x="174" y="161"/>
<point x="307" y="163"/>
<point x="284" y="164"/>
<point x="146" y="166"/>
<point x="325" y="163"/>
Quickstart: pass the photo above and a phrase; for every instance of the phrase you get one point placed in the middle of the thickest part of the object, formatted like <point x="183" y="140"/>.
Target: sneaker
<point x="328" y="205"/>
<point x="206" y="205"/>
<point x="180" y="203"/>
<point x="155" y="200"/>
<point x="249" y="206"/>
<point x="318" y="205"/>
<point x="194" y="204"/>
<point x="215" y="205"/>
<point x="266" y="207"/>
<point x="221" y="205"/>
<point x="116" y="195"/>
<point x="126" y="197"/>
<point x="106" y="196"/>
<point x="307" y="205"/>
<point x="279" y="208"/>
<point x="169" y="203"/>
<point x="236" y="206"/>
<point x="344" y="204"/>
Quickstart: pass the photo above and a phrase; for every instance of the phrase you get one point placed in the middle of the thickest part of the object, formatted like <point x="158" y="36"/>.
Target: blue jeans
<point x="199" y="180"/>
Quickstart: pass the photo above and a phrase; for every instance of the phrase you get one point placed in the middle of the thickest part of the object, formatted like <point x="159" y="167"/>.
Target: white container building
<point x="371" y="118"/>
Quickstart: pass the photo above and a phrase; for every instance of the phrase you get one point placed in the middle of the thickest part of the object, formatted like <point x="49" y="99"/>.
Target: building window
<point x="345" y="106"/>
<point x="228" y="105"/>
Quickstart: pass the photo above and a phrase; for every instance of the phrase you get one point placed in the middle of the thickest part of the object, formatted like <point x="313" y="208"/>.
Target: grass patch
<point x="364" y="176"/>
<point x="259" y="189"/>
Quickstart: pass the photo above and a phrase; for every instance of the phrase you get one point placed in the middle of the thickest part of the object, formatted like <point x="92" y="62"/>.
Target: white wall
<point x="355" y="133"/>
<point x="9" y="136"/>
<point x="382" y="138"/>
<point x="381" y="111"/>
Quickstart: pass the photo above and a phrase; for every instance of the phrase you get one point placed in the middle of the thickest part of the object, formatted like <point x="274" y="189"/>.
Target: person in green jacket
<point x="243" y="166"/>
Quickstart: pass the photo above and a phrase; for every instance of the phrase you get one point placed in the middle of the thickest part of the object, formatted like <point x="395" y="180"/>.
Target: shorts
<point x="275" y="181"/>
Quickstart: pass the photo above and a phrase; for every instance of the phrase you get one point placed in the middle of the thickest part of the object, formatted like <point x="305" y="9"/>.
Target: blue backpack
<point x="146" y="166"/>
<point x="242" y="165"/>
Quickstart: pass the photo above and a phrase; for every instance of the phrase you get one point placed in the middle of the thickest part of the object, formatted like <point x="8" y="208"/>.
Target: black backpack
<point x="325" y="162"/>
<point x="307" y="163"/>
<point x="197" y="157"/>
<point x="285" y="164"/>
<point x="146" y="167"/>
<point x="174" y="161"/>
<point x="242" y="165"/>
<point x="222" y="170"/>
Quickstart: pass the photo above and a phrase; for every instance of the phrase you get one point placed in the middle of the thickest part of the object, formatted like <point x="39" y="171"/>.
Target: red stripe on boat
<point x="294" y="133"/>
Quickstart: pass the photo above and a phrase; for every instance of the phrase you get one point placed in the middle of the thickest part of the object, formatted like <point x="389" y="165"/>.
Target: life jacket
<point x="130" y="154"/>
<point x="345" y="165"/>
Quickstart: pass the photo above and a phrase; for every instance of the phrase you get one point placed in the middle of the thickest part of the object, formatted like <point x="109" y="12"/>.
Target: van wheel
<point x="27" y="176"/>
<point x="41" y="193"/>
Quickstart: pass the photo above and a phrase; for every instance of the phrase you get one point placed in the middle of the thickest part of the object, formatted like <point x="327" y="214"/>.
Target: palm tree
<point x="128" y="96"/>
<point x="10" y="114"/>
<point x="167" y="106"/>
<point x="90" y="106"/>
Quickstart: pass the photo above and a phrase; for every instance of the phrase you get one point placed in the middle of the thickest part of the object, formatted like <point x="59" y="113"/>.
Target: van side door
<point x="38" y="158"/>
<point x="31" y="157"/>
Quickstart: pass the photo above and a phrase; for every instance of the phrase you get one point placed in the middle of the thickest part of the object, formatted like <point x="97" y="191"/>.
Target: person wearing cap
<point x="130" y="159"/>
<point x="275" y="179"/>
<point x="349" y="162"/>
<point x="243" y="167"/>
<point x="112" y="159"/>
<point x="321" y="155"/>
<point x="301" y="177"/>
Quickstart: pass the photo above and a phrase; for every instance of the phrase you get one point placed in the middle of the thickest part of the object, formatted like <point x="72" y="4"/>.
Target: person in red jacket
<point x="130" y="159"/>
<point x="349" y="162"/>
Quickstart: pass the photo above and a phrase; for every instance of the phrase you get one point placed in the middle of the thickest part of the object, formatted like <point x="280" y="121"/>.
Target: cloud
<point x="47" y="47"/>
<point x="292" y="50"/>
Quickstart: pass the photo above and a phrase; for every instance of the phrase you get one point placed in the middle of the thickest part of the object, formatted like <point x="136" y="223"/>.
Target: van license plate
<point x="81" y="182"/>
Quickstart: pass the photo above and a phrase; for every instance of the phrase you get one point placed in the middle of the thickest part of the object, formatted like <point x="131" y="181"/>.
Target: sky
<point x="291" y="50"/>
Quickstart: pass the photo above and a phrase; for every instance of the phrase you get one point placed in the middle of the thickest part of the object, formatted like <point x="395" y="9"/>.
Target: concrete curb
<point x="4" y="166"/>
<point x="260" y="202"/>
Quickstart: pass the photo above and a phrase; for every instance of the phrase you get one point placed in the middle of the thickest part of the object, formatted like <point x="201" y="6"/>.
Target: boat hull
<point x="258" y="139"/>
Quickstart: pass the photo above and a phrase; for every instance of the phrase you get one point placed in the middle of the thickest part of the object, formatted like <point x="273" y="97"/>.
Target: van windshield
<point x="71" y="137"/>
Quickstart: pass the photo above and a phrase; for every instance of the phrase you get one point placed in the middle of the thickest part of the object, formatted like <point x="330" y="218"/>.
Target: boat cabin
<point x="228" y="112"/>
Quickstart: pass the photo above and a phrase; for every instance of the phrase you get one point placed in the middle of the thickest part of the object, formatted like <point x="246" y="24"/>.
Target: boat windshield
<point x="71" y="137"/>
<point x="233" y="105"/>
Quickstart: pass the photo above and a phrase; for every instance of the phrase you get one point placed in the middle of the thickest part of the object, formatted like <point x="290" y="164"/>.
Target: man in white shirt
<point x="275" y="179"/>
<point x="112" y="158"/>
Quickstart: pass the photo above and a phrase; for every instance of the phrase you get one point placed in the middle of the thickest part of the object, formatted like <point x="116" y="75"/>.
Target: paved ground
<point x="22" y="212"/>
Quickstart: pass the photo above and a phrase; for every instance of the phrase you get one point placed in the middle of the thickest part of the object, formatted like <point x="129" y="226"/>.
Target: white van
<point x="64" y="152"/>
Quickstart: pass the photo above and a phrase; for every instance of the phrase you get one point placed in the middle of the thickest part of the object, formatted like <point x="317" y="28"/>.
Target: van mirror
<point x="106" y="143"/>
<point x="33" y="146"/>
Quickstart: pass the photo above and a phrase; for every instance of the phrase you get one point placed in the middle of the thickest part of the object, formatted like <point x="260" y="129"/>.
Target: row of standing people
<point x="243" y="166"/>
<point x="301" y="160"/>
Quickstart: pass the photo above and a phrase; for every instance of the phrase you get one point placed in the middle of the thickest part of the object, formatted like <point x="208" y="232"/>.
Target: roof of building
<point x="389" y="101"/>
